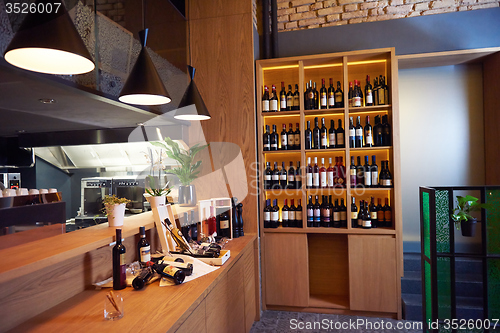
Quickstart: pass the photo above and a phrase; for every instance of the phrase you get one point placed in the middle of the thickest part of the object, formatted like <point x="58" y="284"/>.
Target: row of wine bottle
<point x="371" y="216"/>
<point x="284" y="141"/>
<point x="367" y="175"/>
<point x="275" y="179"/>
<point x="330" y="98"/>
<point x="291" y="217"/>
<point x="376" y="136"/>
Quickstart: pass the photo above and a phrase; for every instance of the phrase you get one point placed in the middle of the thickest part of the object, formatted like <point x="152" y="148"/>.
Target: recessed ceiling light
<point x="140" y="124"/>
<point x="21" y="131"/>
<point x="47" y="100"/>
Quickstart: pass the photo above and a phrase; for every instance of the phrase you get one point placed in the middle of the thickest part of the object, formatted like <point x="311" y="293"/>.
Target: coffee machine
<point x="132" y="189"/>
<point x="11" y="180"/>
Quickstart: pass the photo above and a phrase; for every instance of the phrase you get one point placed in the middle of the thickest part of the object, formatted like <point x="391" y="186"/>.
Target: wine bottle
<point x="386" y="91"/>
<point x="267" y="139"/>
<point x="352" y="173"/>
<point x="387" y="214"/>
<point x="282" y="97"/>
<point x="315" y="174"/>
<point x="308" y="136"/>
<point x="307" y="102"/>
<point x="284" y="138"/>
<point x="361" y="214"/>
<point x="298" y="177"/>
<point x="273" y="101"/>
<point x="179" y="263"/>
<point x="368" y="92"/>
<point x="265" y="100"/>
<point x="323" y="135"/>
<point x="283" y="176"/>
<point x="336" y="214"/>
<point x="310" y="213"/>
<point x="119" y="265"/>
<point x="194" y="227"/>
<point x="142" y="278"/>
<point x="359" y="133"/>
<point x="291" y="138"/>
<point x="289" y="99"/>
<point x="268" y="174"/>
<point x="350" y="94"/>
<point x="323" y="181"/>
<point x="175" y="274"/>
<point x="323" y="208"/>
<point x="381" y="94"/>
<point x="291" y="177"/>
<point x="267" y="214"/>
<point x="357" y="100"/>
<point x="339" y="96"/>
<point x="352" y="134"/>
<point x="224" y="225"/>
<point x="296" y="98"/>
<point x="386" y="131"/>
<point x="330" y="175"/>
<point x="343" y="214"/>
<point x="212" y="222"/>
<point x="373" y="213"/>
<point x="380" y="214"/>
<point x="316" y="97"/>
<point x="323" y="95"/>
<point x="354" y="214"/>
<point x="298" y="214"/>
<point x="327" y="220"/>
<point x="368" y="133"/>
<point x="375" y="91"/>
<point x="143" y="247"/>
<point x="367" y="173"/>
<point x="340" y="135"/>
<point x="367" y="220"/>
<point x="377" y="132"/>
<point x="331" y="134"/>
<point x="316" y="134"/>
<point x="292" y="223"/>
<point x="331" y="95"/>
<point x="317" y="214"/>
<point x="385" y="175"/>
<point x="309" y="174"/>
<point x="275" y="214"/>
<point x="296" y="144"/>
<point x="275" y="177"/>
<point x="274" y="139"/>
<point x="374" y="172"/>
<point x="360" y="173"/>
<point x="284" y="214"/>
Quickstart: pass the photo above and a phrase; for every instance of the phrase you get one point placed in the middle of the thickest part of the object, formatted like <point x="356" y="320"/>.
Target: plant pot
<point x="187" y="195"/>
<point x="468" y="227"/>
<point x="116" y="214"/>
<point x="156" y="201"/>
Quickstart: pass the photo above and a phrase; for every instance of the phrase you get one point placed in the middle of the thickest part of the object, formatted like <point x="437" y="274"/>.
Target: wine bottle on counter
<point x="143" y="247"/>
<point x="291" y="138"/>
<point x="343" y="214"/>
<point x="291" y="177"/>
<point x="275" y="214"/>
<point x="331" y="95"/>
<point x="297" y="137"/>
<point x="175" y="274"/>
<point x="323" y="135"/>
<point x="289" y="99"/>
<point x="267" y="139"/>
<point x="339" y="132"/>
<point x="317" y="214"/>
<point x="224" y="225"/>
<point x="292" y="223"/>
<point x="298" y="177"/>
<point x="310" y="213"/>
<point x="119" y="264"/>
<point x="296" y="98"/>
<point x="274" y="139"/>
<point x="368" y="133"/>
<point x="298" y="214"/>
<point x="194" y="227"/>
<point x="377" y="132"/>
<point x="284" y="138"/>
<point x="316" y="134"/>
<point x="323" y="96"/>
<point x="267" y="214"/>
<point x="234" y="218"/>
<point x="273" y="101"/>
<point x="265" y="100"/>
<point x="284" y="214"/>
<point x="352" y="134"/>
<point x="308" y="136"/>
<point x="352" y="173"/>
<point x="359" y="134"/>
<point x="339" y="96"/>
<point x="368" y="92"/>
<point x="332" y="134"/>
<point x="354" y="214"/>
<point x="143" y="278"/>
<point x="282" y="97"/>
<point x="374" y="172"/>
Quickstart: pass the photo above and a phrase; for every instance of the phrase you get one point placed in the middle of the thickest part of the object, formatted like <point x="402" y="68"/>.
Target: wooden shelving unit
<point x="332" y="281"/>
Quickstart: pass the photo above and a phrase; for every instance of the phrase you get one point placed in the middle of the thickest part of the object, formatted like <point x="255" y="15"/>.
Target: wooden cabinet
<point x="196" y="321"/>
<point x="330" y="256"/>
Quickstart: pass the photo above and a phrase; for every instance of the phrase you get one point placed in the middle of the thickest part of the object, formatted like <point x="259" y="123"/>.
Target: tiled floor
<point x="281" y="322"/>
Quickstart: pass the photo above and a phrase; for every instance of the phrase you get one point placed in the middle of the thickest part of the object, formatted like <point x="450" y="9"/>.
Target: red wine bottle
<point x="265" y="100"/>
<point x="331" y="95"/>
<point x="283" y="176"/>
<point x="323" y="181"/>
<point x="144" y="276"/>
<point x="377" y="132"/>
<point x="296" y="98"/>
<point x="291" y="177"/>
<point x="316" y="134"/>
<point x="275" y="178"/>
<point x="352" y="134"/>
<point x="343" y="214"/>
<point x="282" y="97"/>
<point x="309" y="174"/>
<point x="292" y="222"/>
<point x="387" y="214"/>
<point x="374" y="172"/>
<point x="298" y="177"/>
<point x="284" y="214"/>
<point x="350" y="94"/>
<point x="297" y="137"/>
<point x="119" y="265"/>
<point x="316" y="97"/>
<point x="268" y="174"/>
<point x="323" y="135"/>
<point x="315" y="174"/>
<point x="310" y="213"/>
<point x="273" y="101"/>
<point x="224" y="225"/>
<point x="380" y="213"/>
<point x="291" y="138"/>
<point x="359" y="134"/>
<point x="360" y="173"/>
<point x="339" y="96"/>
<point x="330" y="174"/>
<point x="368" y="92"/>
<point x="340" y="142"/>
<point x="317" y="214"/>
<point x="267" y="139"/>
<point x="267" y="214"/>
<point x="275" y="214"/>
<point x="352" y="173"/>
<point x="354" y="213"/>
<point x="308" y="136"/>
<point x="289" y="99"/>
<point x="323" y="96"/>
<point x="373" y="213"/>
<point x="368" y="133"/>
<point x="175" y="274"/>
<point x="274" y="139"/>
<point x="367" y="173"/>
<point x="284" y="138"/>
<point x="143" y="247"/>
<point x="332" y="134"/>
<point x="298" y="214"/>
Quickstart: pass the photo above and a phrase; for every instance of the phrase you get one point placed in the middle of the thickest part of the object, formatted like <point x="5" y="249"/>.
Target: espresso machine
<point x="132" y="189"/>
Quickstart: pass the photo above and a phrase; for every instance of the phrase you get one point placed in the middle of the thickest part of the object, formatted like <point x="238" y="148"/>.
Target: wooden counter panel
<point x="196" y="321"/>
<point x="249" y="282"/>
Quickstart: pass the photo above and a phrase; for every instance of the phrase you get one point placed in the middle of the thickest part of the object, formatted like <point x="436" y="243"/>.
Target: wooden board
<point x="196" y="321"/>
<point x="491" y="73"/>
<point x="250" y="290"/>
<point x="31" y="235"/>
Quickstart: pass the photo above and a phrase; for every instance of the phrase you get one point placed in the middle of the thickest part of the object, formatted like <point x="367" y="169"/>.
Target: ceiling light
<point x="192" y="106"/>
<point x="49" y="43"/>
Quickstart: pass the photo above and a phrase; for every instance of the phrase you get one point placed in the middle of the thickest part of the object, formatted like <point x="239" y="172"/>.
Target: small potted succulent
<point x="115" y="209"/>
<point x="461" y="214"/>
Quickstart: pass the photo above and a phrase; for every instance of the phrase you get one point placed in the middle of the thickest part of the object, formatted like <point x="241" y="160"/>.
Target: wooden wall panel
<point x="216" y="8"/>
<point x="248" y="260"/>
<point x="491" y="73"/>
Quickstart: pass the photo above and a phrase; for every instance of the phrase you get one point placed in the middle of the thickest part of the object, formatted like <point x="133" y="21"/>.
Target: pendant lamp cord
<point x="143" y="14"/>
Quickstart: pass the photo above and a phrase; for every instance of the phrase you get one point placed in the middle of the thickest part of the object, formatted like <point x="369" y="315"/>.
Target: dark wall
<point x="422" y="34"/>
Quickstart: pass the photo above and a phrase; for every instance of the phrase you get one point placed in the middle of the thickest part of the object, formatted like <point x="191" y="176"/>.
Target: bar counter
<point x="46" y="286"/>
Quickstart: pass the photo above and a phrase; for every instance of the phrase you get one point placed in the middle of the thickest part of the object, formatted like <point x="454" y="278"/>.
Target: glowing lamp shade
<point x="49" y="43"/>
<point x="144" y="86"/>
<point x="192" y="106"/>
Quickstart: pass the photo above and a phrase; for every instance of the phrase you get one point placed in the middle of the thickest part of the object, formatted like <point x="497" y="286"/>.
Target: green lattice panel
<point x="493" y="221"/>
<point x="442" y="221"/>
<point x="444" y="287"/>
<point x="428" y="292"/>
<point x="427" y="217"/>
<point x="494" y="288"/>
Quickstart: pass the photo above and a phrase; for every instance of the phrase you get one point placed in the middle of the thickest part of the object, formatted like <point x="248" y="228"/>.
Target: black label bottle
<point x="267" y="139"/>
<point x="340" y="135"/>
<point x="296" y="144"/>
<point x="296" y="98"/>
<point x="274" y="139"/>
<point x="119" y="265"/>
<point x="225" y="229"/>
<point x="339" y="96"/>
<point x="308" y="136"/>
<point x="143" y="247"/>
<point x="289" y="99"/>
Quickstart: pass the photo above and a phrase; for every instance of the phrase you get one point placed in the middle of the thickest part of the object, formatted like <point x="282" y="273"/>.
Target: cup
<point x="9" y="192"/>
<point x="43" y="191"/>
<point x="52" y="190"/>
<point x="22" y="191"/>
<point x="113" y="306"/>
<point x="34" y="191"/>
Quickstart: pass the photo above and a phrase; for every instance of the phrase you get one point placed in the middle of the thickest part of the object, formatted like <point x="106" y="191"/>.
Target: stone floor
<point x="281" y="322"/>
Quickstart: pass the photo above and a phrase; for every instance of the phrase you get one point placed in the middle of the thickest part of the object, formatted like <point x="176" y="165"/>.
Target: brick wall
<point x="113" y="9"/>
<point x="308" y="14"/>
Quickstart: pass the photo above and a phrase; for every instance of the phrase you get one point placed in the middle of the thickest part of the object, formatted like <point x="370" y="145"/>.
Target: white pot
<point x="156" y="201"/>
<point x="116" y="214"/>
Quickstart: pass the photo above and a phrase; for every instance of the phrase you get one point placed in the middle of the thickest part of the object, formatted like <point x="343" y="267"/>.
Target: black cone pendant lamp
<point x="47" y="42"/>
<point x="192" y="106"/>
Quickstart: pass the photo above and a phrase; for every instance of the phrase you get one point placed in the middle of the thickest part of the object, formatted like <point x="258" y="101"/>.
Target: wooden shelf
<point x="323" y="150"/>
<point x="322" y="112"/>
<point x="321" y="230"/>
<point x="281" y="113"/>
<point x="329" y="301"/>
<point x="370" y="148"/>
<point x="284" y="191"/>
<point x="332" y="191"/>
<point x="281" y="152"/>
<point x="374" y="108"/>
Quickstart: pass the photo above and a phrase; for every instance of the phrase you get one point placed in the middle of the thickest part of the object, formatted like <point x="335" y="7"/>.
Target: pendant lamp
<point x="144" y="85"/>
<point x="48" y="42"/>
<point x="192" y="106"/>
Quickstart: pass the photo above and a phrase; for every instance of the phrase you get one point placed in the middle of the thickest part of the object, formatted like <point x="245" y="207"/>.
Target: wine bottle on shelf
<point x="367" y="173"/>
<point x="380" y="213"/>
<point x="339" y="173"/>
<point x="339" y="96"/>
<point x="265" y="100"/>
<point x="298" y="177"/>
<point x="308" y="136"/>
<point x="336" y="214"/>
<point x="331" y="134"/>
<point x="386" y="91"/>
<point x="291" y="177"/>
<point x="367" y="220"/>
<point x="352" y="173"/>
<point x="284" y="214"/>
<point x="275" y="177"/>
<point x="352" y="134"/>
<point x="292" y="223"/>
<point x="387" y="214"/>
<point x="357" y="100"/>
<point x="224" y="224"/>
<point x="375" y="91"/>
<point x="343" y="214"/>
<point x="309" y="174"/>
<point x="267" y="214"/>
<point x="310" y="213"/>
<point x="374" y="172"/>
<point x="311" y="96"/>
<point x="274" y="139"/>
<point x="291" y="138"/>
<point x="368" y="133"/>
<point x="316" y="97"/>
<point x="381" y="93"/>
<point x="316" y="134"/>
<point x="317" y="214"/>
<point x="354" y="214"/>
<point x="385" y="179"/>
<point x="315" y="174"/>
<point x="307" y="102"/>
<point x="283" y="176"/>
<point x="323" y="135"/>
<point x="350" y="94"/>
<point x="377" y="132"/>
<point x="340" y="142"/>
<point x="143" y="247"/>
<point x="296" y="144"/>
<point x="360" y="173"/>
<point x="275" y="214"/>
<point x="289" y="99"/>
<point x="284" y="138"/>
<point x="282" y="97"/>
<point x="361" y="214"/>
<point x="119" y="264"/>
<point x="273" y="100"/>
<point x="328" y="212"/>
<point x="298" y="214"/>
<point x="323" y="181"/>
<point x="359" y="133"/>
<point x="330" y="174"/>
<point x="323" y="97"/>
<point x="386" y="131"/>
<point x="267" y="139"/>
<point x="368" y="92"/>
<point x="296" y="98"/>
<point x="331" y="95"/>
<point x="322" y="208"/>
<point x="373" y="213"/>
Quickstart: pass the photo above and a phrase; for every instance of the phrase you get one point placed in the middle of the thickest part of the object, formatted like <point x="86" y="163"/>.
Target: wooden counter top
<point x="153" y="309"/>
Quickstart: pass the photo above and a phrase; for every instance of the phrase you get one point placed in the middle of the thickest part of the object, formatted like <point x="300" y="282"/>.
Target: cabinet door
<point x="286" y="269"/>
<point x="372" y="273"/>
<point x="195" y="322"/>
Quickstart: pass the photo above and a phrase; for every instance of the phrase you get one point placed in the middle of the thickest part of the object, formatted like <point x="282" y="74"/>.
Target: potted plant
<point x="155" y="193"/>
<point x="115" y="209"/>
<point x="188" y="169"/>
<point x="461" y="214"/>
